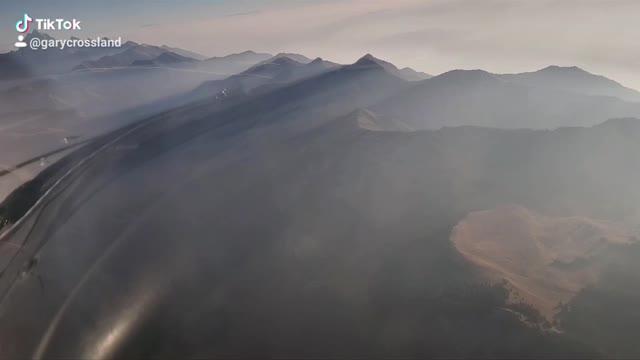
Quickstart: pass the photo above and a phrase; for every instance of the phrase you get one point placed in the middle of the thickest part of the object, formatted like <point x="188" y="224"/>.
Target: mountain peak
<point x="296" y="57"/>
<point x="275" y="66"/>
<point x="371" y="61"/>
<point x="467" y="75"/>
<point x="560" y="69"/>
<point x="320" y="63"/>
<point x="284" y="60"/>
<point x="367" y="59"/>
<point x="130" y="43"/>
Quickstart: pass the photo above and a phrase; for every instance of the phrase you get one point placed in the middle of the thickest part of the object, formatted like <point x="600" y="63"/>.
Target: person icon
<point x="20" y="43"/>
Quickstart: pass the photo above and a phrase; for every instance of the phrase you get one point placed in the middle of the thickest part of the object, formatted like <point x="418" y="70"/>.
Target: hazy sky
<point x="602" y="36"/>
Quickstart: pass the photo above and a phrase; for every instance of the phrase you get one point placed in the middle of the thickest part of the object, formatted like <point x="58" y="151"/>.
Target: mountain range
<point x="283" y="206"/>
<point x="278" y="70"/>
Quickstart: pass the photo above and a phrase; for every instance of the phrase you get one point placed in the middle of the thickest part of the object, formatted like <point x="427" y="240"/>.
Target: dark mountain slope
<point x="286" y="228"/>
<point x="331" y="242"/>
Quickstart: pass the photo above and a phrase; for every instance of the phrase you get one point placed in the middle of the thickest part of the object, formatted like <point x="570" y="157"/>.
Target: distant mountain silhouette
<point x="275" y="72"/>
<point x="324" y="63"/>
<point x="573" y="79"/>
<point x="184" y="53"/>
<point x="166" y="58"/>
<point x="296" y="57"/>
<point x="371" y="61"/>
<point x="171" y="58"/>
<point x="476" y="97"/>
<point x="135" y="55"/>
<point x="233" y="63"/>
<point x="406" y="73"/>
<point x="411" y="75"/>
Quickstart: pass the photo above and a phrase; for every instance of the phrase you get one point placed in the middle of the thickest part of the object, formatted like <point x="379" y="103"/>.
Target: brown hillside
<point x="544" y="260"/>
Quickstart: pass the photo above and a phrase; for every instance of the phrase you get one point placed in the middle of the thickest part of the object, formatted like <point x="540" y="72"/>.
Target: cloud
<point x="244" y="13"/>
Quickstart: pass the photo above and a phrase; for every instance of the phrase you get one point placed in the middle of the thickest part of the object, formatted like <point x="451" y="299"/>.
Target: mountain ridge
<point x="477" y="97"/>
<point x="576" y="79"/>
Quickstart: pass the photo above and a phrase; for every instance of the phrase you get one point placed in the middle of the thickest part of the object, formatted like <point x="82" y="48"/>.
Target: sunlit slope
<point x="544" y="260"/>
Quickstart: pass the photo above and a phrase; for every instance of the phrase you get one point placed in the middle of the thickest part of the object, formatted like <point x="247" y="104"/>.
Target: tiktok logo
<point x="23" y="25"/>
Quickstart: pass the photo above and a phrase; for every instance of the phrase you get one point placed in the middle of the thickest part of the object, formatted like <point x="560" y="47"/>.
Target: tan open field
<point x="544" y="260"/>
